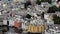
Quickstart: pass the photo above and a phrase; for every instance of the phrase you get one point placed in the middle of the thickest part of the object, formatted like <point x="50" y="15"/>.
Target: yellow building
<point x="37" y="29"/>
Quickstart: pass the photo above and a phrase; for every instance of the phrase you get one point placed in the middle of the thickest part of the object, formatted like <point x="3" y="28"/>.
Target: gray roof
<point x="54" y="27"/>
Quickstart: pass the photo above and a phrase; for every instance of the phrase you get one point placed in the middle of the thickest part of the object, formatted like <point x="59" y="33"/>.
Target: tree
<point x="59" y="8"/>
<point x="27" y="4"/>
<point x="42" y="15"/>
<point x="49" y="1"/>
<point x="56" y="19"/>
<point x="28" y="16"/>
<point x="58" y="0"/>
<point x="38" y="2"/>
<point x="52" y="9"/>
<point x="9" y="0"/>
<point x="3" y="30"/>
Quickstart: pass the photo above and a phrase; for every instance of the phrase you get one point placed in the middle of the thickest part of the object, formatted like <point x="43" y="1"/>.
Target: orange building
<point x="17" y="24"/>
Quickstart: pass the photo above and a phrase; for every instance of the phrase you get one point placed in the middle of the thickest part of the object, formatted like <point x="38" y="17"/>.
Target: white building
<point x="11" y="22"/>
<point x="0" y="13"/>
<point x="33" y="2"/>
<point x="50" y="22"/>
<point x="58" y="14"/>
<point x="18" y="0"/>
<point x="49" y="19"/>
<point x="4" y="22"/>
<point x="53" y="30"/>
<point x="48" y="16"/>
